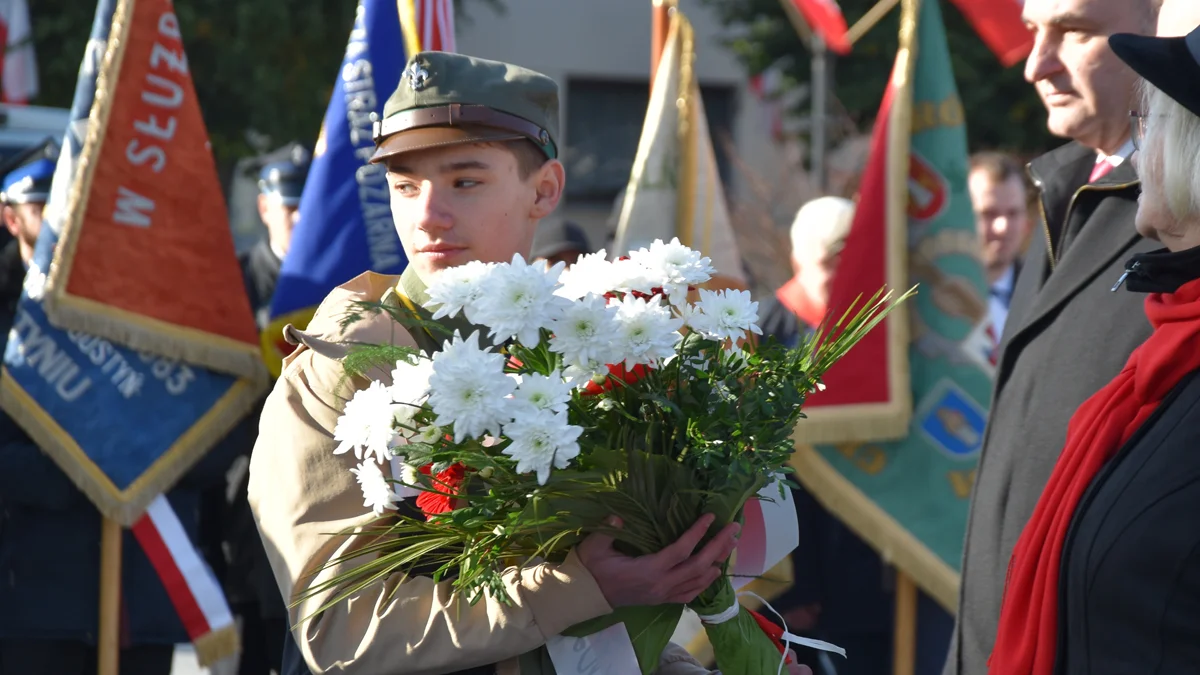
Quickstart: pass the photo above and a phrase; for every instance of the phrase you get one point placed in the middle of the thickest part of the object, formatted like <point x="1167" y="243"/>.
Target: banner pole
<point x="904" y="650"/>
<point x="820" y="107"/>
<point x="109" y="644"/>
<point x="868" y="21"/>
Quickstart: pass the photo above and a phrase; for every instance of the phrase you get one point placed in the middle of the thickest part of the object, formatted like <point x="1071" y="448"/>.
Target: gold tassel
<point x="216" y="645"/>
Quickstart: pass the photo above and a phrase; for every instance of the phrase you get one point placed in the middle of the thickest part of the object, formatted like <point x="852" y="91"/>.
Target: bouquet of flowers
<point x="583" y="394"/>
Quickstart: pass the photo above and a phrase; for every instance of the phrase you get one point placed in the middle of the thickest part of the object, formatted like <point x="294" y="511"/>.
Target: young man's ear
<point x="263" y="203"/>
<point x="549" y="181"/>
<point x="10" y="221"/>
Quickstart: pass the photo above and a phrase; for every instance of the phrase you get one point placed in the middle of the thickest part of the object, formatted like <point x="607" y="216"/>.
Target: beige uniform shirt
<point x="302" y="495"/>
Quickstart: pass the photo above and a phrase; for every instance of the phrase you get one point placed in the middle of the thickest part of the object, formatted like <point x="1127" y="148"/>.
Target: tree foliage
<point x="263" y="69"/>
<point x="1003" y="111"/>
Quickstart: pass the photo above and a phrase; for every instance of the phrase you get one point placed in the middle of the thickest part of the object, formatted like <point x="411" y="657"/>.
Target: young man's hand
<point x="675" y="574"/>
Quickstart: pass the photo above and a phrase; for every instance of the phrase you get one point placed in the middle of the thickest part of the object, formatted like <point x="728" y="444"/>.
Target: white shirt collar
<point x="1118" y="157"/>
<point x="276" y="251"/>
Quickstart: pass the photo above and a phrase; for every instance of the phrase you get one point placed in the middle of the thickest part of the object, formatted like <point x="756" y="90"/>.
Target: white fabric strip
<point x="200" y="580"/>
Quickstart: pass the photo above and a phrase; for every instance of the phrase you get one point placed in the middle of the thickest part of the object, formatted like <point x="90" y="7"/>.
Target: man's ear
<point x="549" y="182"/>
<point x="10" y="221"/>
<point x="262" y="207"/>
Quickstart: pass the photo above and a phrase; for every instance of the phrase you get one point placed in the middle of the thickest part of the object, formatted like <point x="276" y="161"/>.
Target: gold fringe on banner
<point x="126" y="506"/>
<point x="217" y="645"/>
<point x="216" y="352"/>
<point x="895" y="544"/>
<point x="885" y="421"/>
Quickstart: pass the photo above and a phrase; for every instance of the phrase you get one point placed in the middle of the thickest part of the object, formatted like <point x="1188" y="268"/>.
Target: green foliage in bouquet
<point x="701" y="428"/>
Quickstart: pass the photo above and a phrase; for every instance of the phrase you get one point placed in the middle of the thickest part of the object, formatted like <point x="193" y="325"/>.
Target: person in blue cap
<point x="25" y="192"/>
<point x="280" y="183"/>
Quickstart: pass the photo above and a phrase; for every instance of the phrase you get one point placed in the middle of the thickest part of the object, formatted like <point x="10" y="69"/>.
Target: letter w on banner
<point x="147" y="259"/>
<point x="125" y="425"/>
<point x="346" y="225"/>
<point x="897" y="473"/>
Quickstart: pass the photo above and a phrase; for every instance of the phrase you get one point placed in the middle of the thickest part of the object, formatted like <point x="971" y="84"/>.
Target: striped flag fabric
<point x="18" y="65"/>
<point x="825" y="18"/>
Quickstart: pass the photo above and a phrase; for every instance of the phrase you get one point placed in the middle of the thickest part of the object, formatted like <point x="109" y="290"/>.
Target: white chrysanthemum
<point x="646" y="332"/>
<point x="629" y="275"/>
<point x="542" y="440"/>
<point x="725" y="315"/>
<point x="377" y="492"/>
<point x="458" y="289"/>
<point x="429" y="435"/>
<point x="583" y="334"/>
<point x="366" y="424"/>
<point x="592" y="273"/>
<point x="539" y="392"/>
<point x="410" y="387"/>
<point x="468" y="388"/>
<point x="518" y="300"/>
<point x="677" y="265"/>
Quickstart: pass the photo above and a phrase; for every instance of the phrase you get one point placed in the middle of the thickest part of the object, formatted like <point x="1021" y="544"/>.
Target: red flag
<point x="825" y="18"/>
<point x="1000" y="25"/>
<point x="146" y="257"/>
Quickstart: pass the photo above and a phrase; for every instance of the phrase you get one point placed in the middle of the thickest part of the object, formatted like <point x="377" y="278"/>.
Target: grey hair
<point x="1169" y="151"/>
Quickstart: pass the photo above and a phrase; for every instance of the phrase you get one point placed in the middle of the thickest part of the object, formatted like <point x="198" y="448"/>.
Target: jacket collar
<point x="1161" y="271"/>
<point x="412" y="287"/>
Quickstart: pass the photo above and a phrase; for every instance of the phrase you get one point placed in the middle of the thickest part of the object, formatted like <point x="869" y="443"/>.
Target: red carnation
<point x="448" y="481"/>
<point x="618" y="371"/>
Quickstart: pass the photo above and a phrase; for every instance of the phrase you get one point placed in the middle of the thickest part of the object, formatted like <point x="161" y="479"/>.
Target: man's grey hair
<point x="1169" y="150"/>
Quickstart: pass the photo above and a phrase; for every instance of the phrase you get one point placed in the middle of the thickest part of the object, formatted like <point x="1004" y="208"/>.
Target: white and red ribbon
<point x="189" y="582"/>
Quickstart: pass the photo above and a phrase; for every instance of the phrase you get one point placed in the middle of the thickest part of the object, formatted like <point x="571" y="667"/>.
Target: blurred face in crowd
<point x="280" y="220"/>
<point x="460" y="203"/>
<point x="815" y="268"/>
<point x="24" y="222"/>
<point x="1086" y="89"/>
<point x="1178" y="17"/>
<point x="1000" y="219"/>
<point x="568" y="258"/>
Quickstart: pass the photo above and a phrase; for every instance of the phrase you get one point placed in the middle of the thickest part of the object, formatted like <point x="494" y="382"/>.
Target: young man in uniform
<point x="471" y="152"/>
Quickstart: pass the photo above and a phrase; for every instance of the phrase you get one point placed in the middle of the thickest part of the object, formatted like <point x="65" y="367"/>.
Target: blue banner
<point x="345" y="223"/>
<point x="122" y="424"/>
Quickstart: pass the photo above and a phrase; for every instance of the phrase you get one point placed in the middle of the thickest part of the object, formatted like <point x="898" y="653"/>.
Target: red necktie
<point x="1100" y="170"/>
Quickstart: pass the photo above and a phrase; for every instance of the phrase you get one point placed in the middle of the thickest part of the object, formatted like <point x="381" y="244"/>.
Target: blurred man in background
<point x="559" y="241"/>
<point x="997" y="186"/>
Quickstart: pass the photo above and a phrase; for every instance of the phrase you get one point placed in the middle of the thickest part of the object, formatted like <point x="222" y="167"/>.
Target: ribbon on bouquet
<point x="189" y="582"/>
<point x="769" y="532"/>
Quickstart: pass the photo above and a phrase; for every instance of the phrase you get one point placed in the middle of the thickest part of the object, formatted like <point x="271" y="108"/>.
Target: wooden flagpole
<point x="109" y="644"/>
<point x="904" y="647"/>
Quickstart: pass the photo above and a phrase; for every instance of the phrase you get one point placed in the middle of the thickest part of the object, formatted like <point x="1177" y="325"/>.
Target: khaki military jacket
<point x="302" y="495"/>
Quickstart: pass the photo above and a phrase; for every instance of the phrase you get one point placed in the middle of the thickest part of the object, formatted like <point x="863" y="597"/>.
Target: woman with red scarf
<point x="1105" y="578"/>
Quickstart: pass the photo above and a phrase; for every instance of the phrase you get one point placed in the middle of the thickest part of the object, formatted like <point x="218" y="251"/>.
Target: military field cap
<point x="448" y="99"/>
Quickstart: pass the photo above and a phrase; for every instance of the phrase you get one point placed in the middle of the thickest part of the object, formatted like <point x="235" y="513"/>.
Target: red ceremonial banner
<point x="825" y="18"/>
<point x="146" y="257"/>
<point x="999" y="24"/>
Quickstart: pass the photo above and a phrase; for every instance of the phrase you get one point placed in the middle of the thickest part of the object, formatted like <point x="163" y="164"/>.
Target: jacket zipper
<point x="1085" y="501"/>
<point x="1037" y="182"/>
<point x="1135" y="269"/>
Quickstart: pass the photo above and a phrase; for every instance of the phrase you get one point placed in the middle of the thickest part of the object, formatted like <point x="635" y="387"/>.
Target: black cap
<point x="285" y="178"/>
<point x="1170" y="64"/>
<point x="555" y="237"/>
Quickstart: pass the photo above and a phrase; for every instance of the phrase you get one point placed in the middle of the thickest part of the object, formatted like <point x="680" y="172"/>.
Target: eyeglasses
<point x="1137" y="128"/>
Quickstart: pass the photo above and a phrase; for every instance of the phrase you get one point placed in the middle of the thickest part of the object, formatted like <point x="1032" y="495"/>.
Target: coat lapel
<point x="1108" y="234"/>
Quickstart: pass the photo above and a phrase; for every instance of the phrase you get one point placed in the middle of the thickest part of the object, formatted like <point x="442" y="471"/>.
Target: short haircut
<point x="530" y="157"/>
<point x="997" y="166"/>
<point x="1169" y="152"/>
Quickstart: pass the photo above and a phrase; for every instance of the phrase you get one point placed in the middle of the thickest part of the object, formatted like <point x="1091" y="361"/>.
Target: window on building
<point x="604" y="124"/>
